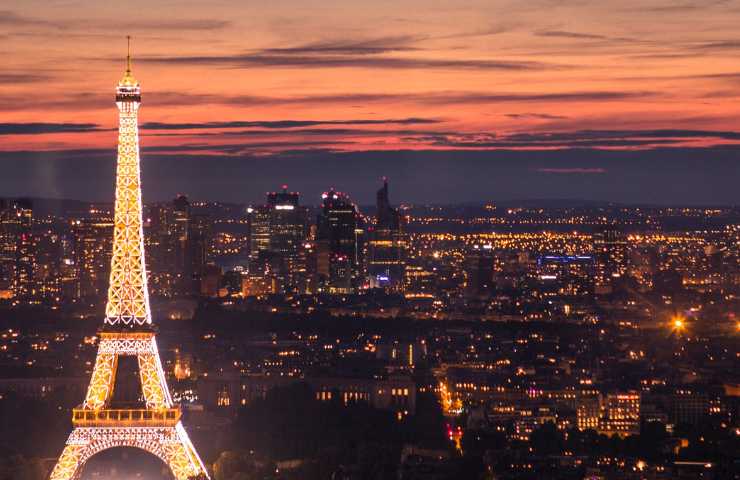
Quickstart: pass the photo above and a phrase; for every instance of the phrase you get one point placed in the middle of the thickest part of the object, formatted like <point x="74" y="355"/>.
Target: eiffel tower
<point x="128" y="331"/>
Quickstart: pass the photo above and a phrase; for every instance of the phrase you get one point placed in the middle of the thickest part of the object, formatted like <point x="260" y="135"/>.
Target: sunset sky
<point x="630" y="101"/>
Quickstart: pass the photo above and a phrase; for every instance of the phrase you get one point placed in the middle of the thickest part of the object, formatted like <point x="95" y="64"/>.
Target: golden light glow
<point x="128" y="301"/>
<point x="126" y="417"/>
<point x="102" y="381"/>
<point x="157" y="428"/>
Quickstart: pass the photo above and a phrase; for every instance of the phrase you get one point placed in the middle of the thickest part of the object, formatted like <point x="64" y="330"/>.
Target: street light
<point x="677" y="323"/>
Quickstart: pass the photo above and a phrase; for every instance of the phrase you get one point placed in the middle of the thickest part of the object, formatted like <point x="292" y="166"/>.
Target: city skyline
<point x="487" y="101"/>
<point x="414" y="240"/>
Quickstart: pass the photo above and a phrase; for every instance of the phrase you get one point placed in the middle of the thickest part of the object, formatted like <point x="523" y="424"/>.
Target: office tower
<point x="93" y="241"/>
<point x="197" y="255"/>
<point x="287" y="222"/>
<point x="156" y="242"/>
<point x="48" y="270"/>
<point x="309" y="262"/>
<point x="610" y="251"/>
<point x="166" y="237"/>
<point x="17" y="250"/>
<point x="179" y="240"/>
<point x="478" y="267"/>
<point x="259" y="229"/>
<point x="339" y="242"/>
<point x="278" y="230"/>
<point x="67" y="268"/>
<point x="386" y="246"/>
<point x="287" y="233"/>
<point x="8" y="240"/>
<point x="25" y="251"/>
<point x="177" y="231"/>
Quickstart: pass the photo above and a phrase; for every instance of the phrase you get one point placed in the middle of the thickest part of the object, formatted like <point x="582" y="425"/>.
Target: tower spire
<point x="128" y="79"/>
<point x="128" y="54"/>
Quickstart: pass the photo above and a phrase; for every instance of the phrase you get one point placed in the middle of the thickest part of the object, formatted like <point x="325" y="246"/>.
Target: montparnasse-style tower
<point x="100" y="422"/>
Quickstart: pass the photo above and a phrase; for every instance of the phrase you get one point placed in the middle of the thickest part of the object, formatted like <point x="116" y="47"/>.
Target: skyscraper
<point x="8" y="236"/>
<point x="178" y="238"/>
<point x="278" y="230"/>
<point x="288" y="230"/>
<point x="197" y="251"/>
<point x="93" y="243"/>
<point x="166" y="240"/>
<point x="259" y="229"/>
<point x="386" y="245"/>
<point x="339" y="242"/>
<point x="478" y="267"/>
<point x="610" y="251"/>
<point x="16" y="249"/>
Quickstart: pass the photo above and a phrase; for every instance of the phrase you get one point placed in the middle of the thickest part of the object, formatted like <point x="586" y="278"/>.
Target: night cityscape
<point x="262" y="275"/>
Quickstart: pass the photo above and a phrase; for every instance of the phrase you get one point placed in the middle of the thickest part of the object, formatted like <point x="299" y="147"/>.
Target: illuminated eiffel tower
<point x="127" y="330"/>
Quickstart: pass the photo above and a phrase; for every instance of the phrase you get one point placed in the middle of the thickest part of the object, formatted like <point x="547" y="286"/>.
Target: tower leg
<point x="153" y="382"/>
<point x="69" y="463"/>
<point x="101" y="383"/>
<point x="182" y="458"/>
<point x="170" y="444"/>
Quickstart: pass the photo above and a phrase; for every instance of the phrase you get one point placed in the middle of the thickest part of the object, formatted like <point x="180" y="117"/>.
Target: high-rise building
<point x="17" y="250"/>
<point x="93" y="242"/>
<point x="386" y="246"/>
<point x="8" y="240"/>
<point x="610" y="250"/>
<point x="166" y="239"/>
<point x="48" y="269"/>
<point x="288" y="227"/>
<point x="259" y="229"/>
<point x="288" y="231"/>
<point x="339" y="242"/>
<point x="479" y="271"/>
<point x="278" y="231"/>
<point x="197" y="257"/>
<point x="179" y="240"/>
<point x="25" y="252"/>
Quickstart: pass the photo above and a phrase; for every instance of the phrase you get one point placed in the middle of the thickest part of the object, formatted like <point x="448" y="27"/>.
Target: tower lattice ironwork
<point x="127" y="331"/>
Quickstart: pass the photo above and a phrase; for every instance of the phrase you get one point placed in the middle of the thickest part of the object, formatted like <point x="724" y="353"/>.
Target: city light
<point x="678" y="323"/>
<point x="551" y="280"/>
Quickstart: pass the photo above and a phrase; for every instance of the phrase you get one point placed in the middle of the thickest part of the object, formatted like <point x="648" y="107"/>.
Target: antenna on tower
<point x="128" y="54"/>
